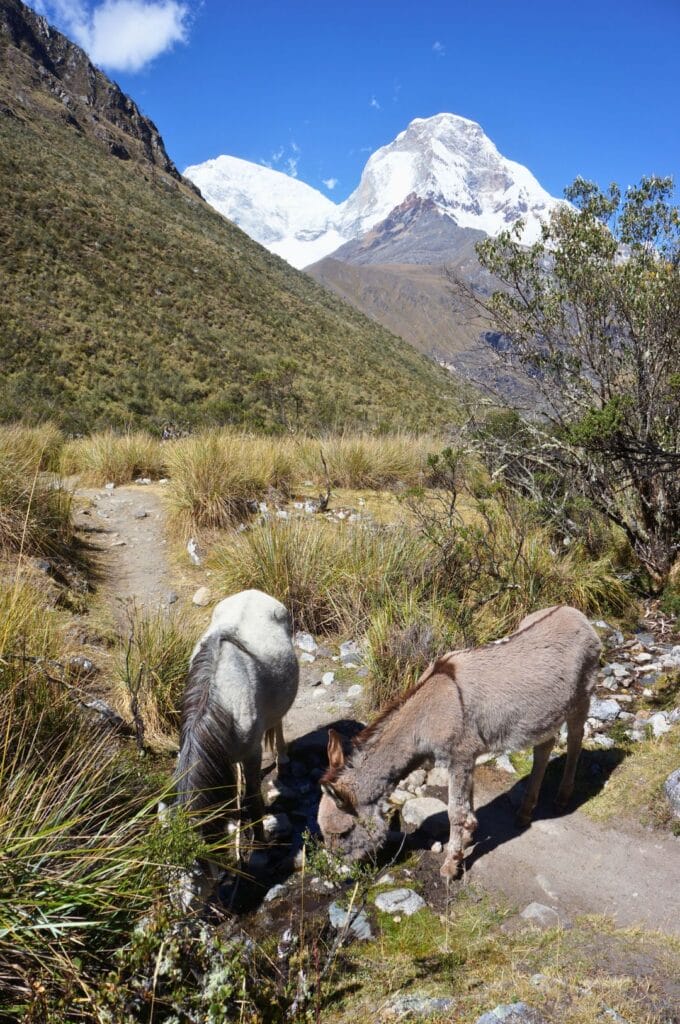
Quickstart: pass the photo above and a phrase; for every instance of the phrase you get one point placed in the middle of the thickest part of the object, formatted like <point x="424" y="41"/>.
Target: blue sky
<point x="589" y="88"/>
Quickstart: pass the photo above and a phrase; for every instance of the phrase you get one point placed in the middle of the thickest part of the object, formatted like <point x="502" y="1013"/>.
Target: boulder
<point x="428" y="813"/>
<point x="356" y="923"/>
<point x="604" y="710"/>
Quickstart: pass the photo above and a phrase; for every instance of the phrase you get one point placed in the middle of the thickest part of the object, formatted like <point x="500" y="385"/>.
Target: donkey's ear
<point x="338" y="797"/>
<point x="336" y="755"/>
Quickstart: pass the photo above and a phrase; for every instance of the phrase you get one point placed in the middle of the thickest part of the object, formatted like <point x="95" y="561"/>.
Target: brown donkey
<point x="511" y="694"/>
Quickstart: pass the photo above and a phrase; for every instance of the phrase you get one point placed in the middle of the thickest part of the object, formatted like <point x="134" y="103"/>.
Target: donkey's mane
<point x="204" y="768"/>
<point x="441" y="666"/>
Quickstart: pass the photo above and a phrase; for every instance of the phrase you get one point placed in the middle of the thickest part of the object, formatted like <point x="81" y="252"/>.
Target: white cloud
<point x="122" y="35"/>
<point x="439" y="49"/>
<point x="330" y="183"/>
<point x="374" y="103"/>
<point x="292" y="165"/>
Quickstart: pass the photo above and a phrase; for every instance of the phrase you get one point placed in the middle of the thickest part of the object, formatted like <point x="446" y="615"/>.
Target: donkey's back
<point x="518" y="691"/>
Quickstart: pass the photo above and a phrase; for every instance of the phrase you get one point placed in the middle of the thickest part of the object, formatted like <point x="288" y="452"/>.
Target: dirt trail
<point x="126" y="528"/>
<point x="576" y="865"/>
<point x="569" y="863"/>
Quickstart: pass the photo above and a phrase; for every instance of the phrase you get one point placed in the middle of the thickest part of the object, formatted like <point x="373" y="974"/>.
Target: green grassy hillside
<point x="127" y="300"/>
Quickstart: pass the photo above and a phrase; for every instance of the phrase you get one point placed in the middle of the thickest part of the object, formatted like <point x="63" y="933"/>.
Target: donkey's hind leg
<point x="575" y="725"/>
<point x="541" y="758"/>
<point x="462" y="821"/>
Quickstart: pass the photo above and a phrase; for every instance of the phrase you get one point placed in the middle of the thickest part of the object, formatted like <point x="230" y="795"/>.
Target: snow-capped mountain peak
<point x="445" y="159"/>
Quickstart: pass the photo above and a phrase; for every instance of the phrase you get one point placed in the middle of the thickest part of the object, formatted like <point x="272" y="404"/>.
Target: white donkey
<point x="508" y="695"/>
<point x="242" y="679"/>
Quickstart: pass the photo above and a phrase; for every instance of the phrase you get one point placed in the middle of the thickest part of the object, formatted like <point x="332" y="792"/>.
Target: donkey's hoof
<point x="450" y="868"/>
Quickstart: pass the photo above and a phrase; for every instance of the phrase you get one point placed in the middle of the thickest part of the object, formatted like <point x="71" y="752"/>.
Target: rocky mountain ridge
<point x="34" y="53"/>
<point x="442" y="172"/>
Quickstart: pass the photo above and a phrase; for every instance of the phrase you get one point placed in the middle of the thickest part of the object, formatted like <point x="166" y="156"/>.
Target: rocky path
<point x="568" y="863"/>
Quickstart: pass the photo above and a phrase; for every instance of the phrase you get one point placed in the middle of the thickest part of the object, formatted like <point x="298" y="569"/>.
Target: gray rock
<point x="505" y="764"/>
<point x="307" y="658"/>
<point x="327" y="678"/>
<point x="142" y="514"/>
<point x="438" y="776"/>
<point x="674" y="716"/>
<point x="426" y="812"/>
<point x="614" y="1015"/>
<point x="603" y="742"/>
<point x="350" y="654"/>
<point x="541" y="916"/>
<point x="399" y="797"/>
<point x="417" y="1007"/>
<point x="358" y="926"/>
<point x="306" y="642"/>
<point x="399" y="901"/>
<point x="80" y="667"/>
<point x="512" y="1013"/>
<point x="645" y="639"/>
<point x="672" y="789"/>
<point x="274" y="893"/>
<point x="415" y="779"/>
<point x="202" y="597"/>
<point x="355" y="691"/>
<point x="172" y="597"/>
<point x="604" y="710"/>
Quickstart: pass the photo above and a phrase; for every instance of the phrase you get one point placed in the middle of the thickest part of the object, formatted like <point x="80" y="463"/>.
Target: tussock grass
<point x="110" y="457"/>
<point x="365" y="460"/>
<point x="215" y="475"/>
<point x="39" y="446"/>
<point x="35" y="509"/>
<point x="330" y="576"/>
<point x="151" y="666"/>
<point x="403" y="636"/>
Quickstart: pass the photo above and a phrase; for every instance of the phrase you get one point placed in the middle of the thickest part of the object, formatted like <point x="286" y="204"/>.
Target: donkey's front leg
<point x="253" y="803"/>
<point x="462" y="822"/>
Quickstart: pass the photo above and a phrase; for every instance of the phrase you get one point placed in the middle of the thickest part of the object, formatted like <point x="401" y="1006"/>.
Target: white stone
<point x="355" y="691"/>
<point x="274" y="893"/>
<point x="276" y="825"/>
<point x="202" y="597"/>
<point x="327" y="678"/>
<point x="399" y="797"/>
<point x="438" y="776"/>
<point x="306" y="658"/>
<point x="659" y="724"/>
<point x="505" y="764"/>
<point x="604" y="710"/>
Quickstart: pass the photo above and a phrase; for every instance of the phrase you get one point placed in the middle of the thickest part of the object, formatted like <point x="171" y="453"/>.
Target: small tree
<point x="592" y="315"/>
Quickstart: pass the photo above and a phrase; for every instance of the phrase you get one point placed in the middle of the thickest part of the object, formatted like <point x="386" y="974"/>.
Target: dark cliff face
<point x="36" y="59"/>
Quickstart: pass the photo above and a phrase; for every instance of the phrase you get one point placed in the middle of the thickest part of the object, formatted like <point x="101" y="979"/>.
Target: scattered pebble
<point x="202" y="597"/>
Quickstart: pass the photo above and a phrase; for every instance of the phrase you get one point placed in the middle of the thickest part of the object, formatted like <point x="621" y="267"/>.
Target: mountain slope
<point x="446" y="162"/>
<point x="128" y="300"/>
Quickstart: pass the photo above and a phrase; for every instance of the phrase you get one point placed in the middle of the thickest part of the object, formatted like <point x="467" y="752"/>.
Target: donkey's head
<point x="351" y="829"/>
